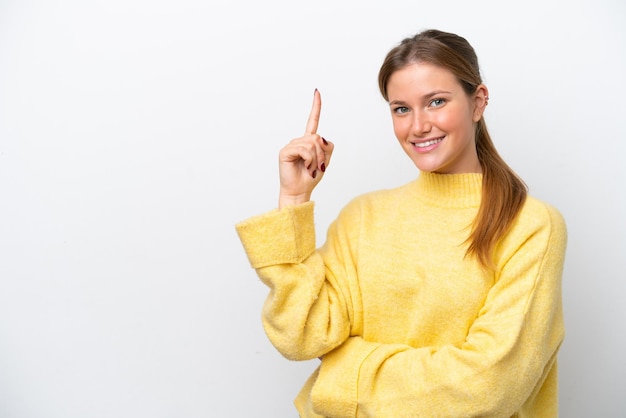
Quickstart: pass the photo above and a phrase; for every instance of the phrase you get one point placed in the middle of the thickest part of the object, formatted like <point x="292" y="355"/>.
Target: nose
<point x="421" y="123"/>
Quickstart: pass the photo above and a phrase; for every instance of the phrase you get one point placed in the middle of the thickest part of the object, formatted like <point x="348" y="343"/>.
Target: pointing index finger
<point x="314" y="116"/>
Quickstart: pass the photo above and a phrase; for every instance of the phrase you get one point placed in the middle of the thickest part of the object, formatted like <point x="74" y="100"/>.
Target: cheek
<point x="400" y="128"/>
<point x="443" y="120"/>
<point x="452" y="121"/>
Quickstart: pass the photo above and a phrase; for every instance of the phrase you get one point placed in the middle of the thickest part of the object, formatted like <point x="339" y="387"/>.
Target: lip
<point x="427" y="148"/>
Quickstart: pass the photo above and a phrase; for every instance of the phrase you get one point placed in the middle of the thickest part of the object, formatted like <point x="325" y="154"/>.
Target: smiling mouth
<point x="427" y="143"/>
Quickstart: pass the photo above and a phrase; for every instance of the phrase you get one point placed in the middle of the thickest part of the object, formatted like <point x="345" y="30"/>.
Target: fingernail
<point x="325" y="141"/>
<point x="323" y="167"/>
<point x="314" y="174"/>
<point x="315" y="90"/>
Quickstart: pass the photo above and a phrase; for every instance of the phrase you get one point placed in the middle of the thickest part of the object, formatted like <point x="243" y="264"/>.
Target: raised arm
<point x="304" y="314"/>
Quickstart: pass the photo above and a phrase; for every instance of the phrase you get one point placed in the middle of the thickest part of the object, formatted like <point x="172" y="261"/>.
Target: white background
<point x="134" y="134"/>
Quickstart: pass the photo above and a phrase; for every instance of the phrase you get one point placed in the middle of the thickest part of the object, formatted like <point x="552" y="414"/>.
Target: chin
<point x="428" y="168"/>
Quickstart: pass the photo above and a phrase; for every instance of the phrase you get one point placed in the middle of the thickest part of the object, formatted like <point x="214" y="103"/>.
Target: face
<point x="434" y="119"/>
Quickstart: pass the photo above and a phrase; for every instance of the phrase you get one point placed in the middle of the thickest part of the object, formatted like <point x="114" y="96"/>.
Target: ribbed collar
<point x="450" y="190"/>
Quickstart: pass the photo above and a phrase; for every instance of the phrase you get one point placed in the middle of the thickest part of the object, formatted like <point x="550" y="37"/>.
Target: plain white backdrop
<point x="134" y="134"/>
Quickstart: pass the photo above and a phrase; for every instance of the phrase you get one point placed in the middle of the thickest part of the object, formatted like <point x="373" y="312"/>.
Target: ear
<point x="481" y="99"/>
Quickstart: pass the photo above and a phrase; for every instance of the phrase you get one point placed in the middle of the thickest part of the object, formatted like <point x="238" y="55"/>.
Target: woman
<point x="439" y="298"/>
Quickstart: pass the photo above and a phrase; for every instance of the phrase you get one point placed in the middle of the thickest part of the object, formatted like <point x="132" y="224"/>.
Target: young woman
<point x="439" y="298"/>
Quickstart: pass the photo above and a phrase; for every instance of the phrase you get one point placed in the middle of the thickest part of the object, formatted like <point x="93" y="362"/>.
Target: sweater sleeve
<point x="305" y="314"/>
<point x="507" y="353"/>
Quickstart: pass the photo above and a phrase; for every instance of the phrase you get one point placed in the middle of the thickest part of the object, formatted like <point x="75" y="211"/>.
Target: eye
<point x="400" y="110"/>
<point x="437" y="102"/>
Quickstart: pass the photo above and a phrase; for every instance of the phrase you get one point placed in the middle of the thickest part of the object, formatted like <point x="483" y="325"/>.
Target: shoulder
<point x="372" y="208"/>
<point x="538" y="233"/>
<point x="539" y="214"/>
<point x="377" y="201"/>
<point x="539" y="225"/>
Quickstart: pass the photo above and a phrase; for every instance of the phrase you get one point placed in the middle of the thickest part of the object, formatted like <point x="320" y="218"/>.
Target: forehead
<point x="421" y="78"/>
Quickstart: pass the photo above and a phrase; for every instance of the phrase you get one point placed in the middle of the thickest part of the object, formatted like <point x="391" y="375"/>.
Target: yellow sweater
<point x="406" y="324"/>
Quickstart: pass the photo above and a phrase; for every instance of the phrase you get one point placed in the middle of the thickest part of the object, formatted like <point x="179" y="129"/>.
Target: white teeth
<point x="427" y="143"/>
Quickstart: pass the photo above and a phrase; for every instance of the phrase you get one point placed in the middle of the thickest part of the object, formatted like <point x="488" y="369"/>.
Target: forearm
<point x="366" y="379"/>
<point x="304" y="314"/>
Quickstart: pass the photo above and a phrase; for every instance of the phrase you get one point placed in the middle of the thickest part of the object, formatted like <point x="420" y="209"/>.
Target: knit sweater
<point x="406" y="323"/>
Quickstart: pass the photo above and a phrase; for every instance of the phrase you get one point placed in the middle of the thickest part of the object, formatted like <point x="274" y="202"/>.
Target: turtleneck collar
<point x="450" y="190"/>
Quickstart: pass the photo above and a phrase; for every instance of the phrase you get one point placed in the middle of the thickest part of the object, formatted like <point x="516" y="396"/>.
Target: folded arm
<point x="509" y="350"/>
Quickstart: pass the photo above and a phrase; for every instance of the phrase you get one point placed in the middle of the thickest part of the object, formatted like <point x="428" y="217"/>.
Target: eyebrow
<point x="424" y="97"/>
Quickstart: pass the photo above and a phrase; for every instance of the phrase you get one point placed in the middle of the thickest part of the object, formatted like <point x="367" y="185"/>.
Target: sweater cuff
<point x="279" y="236"/>
<point x="335" y="392"/>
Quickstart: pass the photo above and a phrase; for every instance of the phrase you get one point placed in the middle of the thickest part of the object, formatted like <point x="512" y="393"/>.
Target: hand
<point x="303" y="161"/>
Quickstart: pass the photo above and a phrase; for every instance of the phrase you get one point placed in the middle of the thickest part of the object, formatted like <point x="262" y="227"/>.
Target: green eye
<point x="437" y="102"/>
<point x="401" y="109"/>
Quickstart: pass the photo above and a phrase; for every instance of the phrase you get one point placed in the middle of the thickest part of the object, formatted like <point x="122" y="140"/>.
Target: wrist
<point x="292" y="200"/>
